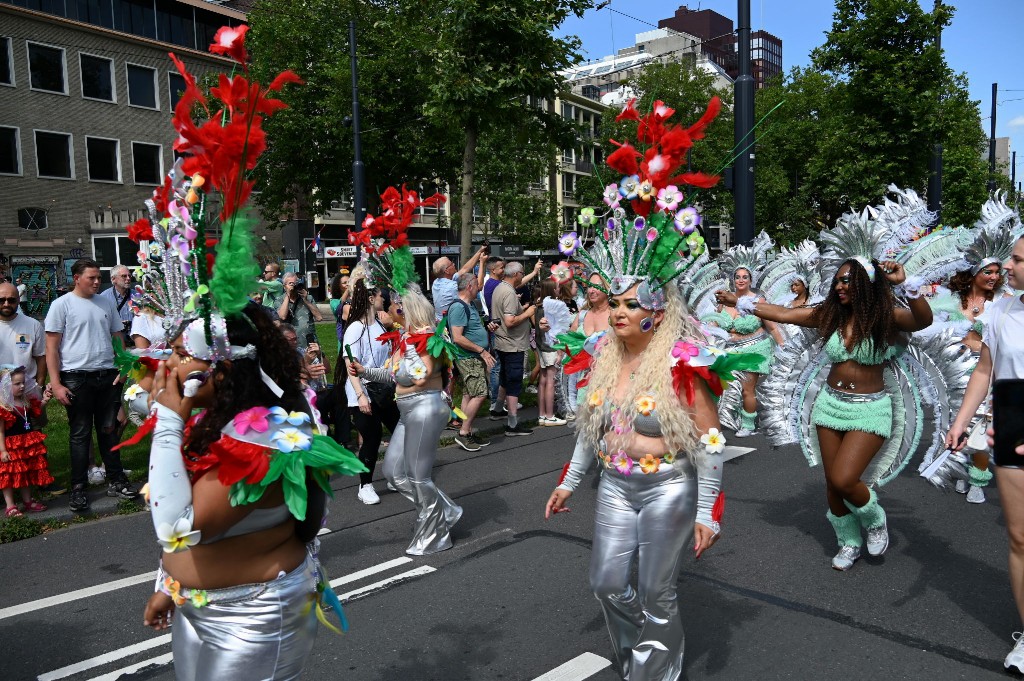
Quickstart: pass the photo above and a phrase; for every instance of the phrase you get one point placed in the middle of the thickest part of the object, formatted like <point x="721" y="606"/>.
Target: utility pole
<point x="992" y="142"/>
<point x="358" y="170"/>
<point x="1013" y="170"/>
<point x="743" y="174"/>
<point x="935" y="162"/>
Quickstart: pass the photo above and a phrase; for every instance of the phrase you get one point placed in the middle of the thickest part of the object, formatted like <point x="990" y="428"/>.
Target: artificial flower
<point x="561" y="272"/>
<point x="669" y="197"/>
<point x="280" y="415"/>
<point x="172" y="588"/>
<point x="629" y="112"/>
<point x="587" y="218"/>
<point x="684" y="350"/>
<point x="290" y="439"/>
<point x="255" y="419"/>
<point x="645" y="192"/>
<point x="611" y="195"/>
<point x="629" y="186"/>
<point x="231" y="42"/>
<point x="662" y="111"/>
<point x="713" y="441"/>
<point x="624" y="160"/>
<point x="645" y="404"/>
<point x="418" y="371"/>
<point x="199" y="598"/>
<point x="650" y="464"/>
<point x="569" y="243"/>
<point x="177" y="537"/>
<point x="687" y="220"/>
<point x="622" y="463"/>
<point x="133" y="391"/>
<point x="669" y="457"/>
<point x="596" y="398"/>
<point x="140" y="230"/>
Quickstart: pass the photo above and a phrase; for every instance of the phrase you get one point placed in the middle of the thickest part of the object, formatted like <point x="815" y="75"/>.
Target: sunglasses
<point x="10" y="300"/>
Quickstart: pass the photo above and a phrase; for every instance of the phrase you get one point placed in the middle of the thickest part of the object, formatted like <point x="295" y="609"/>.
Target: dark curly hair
<point x="361" y="302"/>
<point x="962" y="282"/>
<point x="870" y="307"/>
<point x="239" y="384"/>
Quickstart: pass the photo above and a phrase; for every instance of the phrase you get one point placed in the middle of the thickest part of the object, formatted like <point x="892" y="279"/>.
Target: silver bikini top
<point x="259" y="519"/>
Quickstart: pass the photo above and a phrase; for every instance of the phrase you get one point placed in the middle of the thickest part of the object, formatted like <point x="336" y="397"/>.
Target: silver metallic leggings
<point x="248" y="633"/>
<point x="408" y="464"/>
<point x="651" y="515"/>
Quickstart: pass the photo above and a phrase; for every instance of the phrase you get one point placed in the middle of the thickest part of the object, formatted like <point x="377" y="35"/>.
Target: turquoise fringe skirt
<point x="762" y="346"/>
<point x="870" y="413"/>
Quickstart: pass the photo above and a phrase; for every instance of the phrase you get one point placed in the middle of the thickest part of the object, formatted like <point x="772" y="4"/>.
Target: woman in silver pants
<point x="424" y="410"/>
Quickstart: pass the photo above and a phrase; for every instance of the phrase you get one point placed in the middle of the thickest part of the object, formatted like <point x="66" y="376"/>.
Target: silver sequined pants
<point x="248" y="633"/>
<point x="649" y="518"/>
<point x="409" y="462"/>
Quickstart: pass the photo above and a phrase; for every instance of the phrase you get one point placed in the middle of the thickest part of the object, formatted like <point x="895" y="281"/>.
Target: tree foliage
<point x="866" y="114"/>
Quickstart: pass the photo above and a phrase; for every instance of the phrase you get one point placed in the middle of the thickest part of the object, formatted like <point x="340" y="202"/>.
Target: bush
<point x="18" y="527"/>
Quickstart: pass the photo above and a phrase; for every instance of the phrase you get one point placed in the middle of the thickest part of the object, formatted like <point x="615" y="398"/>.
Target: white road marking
<point x="63" y="599"/>
<point x="105" y="658"/>
<point x="356" y="576"/>
<point x="131" y="669"/>
<point x="384" y="583"/>
<point x="576" y="669"/>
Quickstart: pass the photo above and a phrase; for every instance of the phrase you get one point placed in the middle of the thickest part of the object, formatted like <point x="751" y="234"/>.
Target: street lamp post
<point x="358" y="171"/>
<point x="743" y="173"/>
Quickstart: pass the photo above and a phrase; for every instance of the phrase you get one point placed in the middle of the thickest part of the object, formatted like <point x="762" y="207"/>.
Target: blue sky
<point x="981" y="42"/>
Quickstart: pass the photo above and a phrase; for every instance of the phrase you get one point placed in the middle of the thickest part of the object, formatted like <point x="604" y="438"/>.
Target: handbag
<point x="978" y="438"/>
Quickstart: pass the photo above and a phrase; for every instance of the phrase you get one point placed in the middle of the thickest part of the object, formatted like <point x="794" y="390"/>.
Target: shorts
<point x="474" y="376"/>
<point x="511" y="376"/>
<point x="547" y="359"/>
<point x="761" y="345"/>
<point x="842" y="411"/>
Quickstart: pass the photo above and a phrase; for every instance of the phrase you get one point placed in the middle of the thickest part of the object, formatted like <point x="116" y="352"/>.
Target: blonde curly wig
<point x="653" y="377"/>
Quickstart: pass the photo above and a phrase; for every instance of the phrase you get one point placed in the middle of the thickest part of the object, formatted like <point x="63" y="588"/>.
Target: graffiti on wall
<point x="45" y="278"/>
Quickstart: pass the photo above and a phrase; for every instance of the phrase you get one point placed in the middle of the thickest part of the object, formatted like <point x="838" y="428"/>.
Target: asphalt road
<point x="510" y="600"/>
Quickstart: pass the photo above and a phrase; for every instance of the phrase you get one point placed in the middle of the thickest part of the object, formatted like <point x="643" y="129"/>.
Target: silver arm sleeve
<point x="378" y="375"/>
<point x="582" y="459"/>
<point x="170" y="490"/>
<point x="709" y="484"/>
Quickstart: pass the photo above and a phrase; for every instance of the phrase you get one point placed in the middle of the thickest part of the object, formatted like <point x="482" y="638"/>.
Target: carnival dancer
<point x="861" y="329"/>
<point x="418" y="367"/>
<point x="747" y="334"/>
<point x="647" y="413"/>
<point x="238" y="495"/>
<point x="1002" y="357"/>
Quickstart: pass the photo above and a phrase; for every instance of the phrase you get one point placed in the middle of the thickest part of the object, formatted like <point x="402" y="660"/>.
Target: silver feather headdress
<point x="802" y="262"/>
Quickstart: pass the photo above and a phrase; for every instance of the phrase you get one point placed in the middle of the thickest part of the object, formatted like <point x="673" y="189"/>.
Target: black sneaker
<point x="79" y="500"/>
<point x="479" y="441"/>
<point x="466" y="442"/>
<point x="520" y="429"/>
<point x="497" y="415"/>
<point x="121" y="490"/>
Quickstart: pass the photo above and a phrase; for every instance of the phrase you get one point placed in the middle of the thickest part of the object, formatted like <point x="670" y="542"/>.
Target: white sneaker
<point x="878" y="540"/>
<point x="845" y="558"/>
<point x="97" y="476"/>
<point x="368" y="495"/>
<point x="1015" y="660"/>
<point x="555" y="421"/>
<point x="743" y="432"/>
<point x="961" y="487"/>
<point x="975" y="495"/>
<point x="532" y="389"/>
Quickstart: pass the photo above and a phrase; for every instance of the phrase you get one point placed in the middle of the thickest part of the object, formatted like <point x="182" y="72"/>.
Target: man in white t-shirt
<point x="80" y="362"/>
<point x="21" y="337"/>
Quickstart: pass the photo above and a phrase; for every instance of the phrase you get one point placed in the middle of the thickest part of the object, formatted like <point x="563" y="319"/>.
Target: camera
<point x="300" y="285"/>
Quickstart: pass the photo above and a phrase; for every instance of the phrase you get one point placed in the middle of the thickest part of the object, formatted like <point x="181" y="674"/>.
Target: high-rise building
<point x="717" y="41"/>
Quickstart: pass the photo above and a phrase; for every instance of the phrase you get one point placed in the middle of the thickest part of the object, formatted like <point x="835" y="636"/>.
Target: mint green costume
<point x="845" y="411"/>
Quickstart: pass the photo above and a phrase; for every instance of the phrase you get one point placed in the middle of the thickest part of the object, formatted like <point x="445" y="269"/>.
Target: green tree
<point x="485" y="59"/>
<point x="866" y="114"/>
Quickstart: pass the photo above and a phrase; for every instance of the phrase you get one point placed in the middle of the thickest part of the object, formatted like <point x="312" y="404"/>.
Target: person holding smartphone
<point x="1002" y="357"/>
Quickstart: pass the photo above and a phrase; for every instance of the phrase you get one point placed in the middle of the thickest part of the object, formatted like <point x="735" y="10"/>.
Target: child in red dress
<point x="22" y="449"/>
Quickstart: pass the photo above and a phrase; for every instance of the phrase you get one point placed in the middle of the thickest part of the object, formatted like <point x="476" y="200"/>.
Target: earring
<point x="646" y="324"/>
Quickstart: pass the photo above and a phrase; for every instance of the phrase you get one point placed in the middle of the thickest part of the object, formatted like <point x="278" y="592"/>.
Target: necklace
<point x="975" y="309"/>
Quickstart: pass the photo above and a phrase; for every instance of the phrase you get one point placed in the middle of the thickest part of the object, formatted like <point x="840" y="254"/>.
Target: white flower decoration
<point x="418" y="371"/>
<point x="133" y="391"/>
<point x="280" y="415"/>
<point x="290" y="439"/>
<point x="713" y="441"/>
<point x="612" y="196"/>
<point x="177" y="537"/>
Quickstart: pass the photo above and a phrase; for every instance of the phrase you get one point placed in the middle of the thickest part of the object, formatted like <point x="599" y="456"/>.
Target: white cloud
<point x="1017" y="122"/>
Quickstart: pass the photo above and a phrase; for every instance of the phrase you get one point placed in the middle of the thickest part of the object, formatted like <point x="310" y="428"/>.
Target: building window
<point x="32" y="219"/>
<point x="175" y="88"/>
<point x="103" y="158"/>
<point x="175" y="23"/>
<point x="110" y="251"/>
<point x="142" y="87"/>
<point x="137" y="17"/>
<point x="10" y="151"/>
<point x="53" y="155"/>
<point x="95" y="12"/>
<point x="6" y="62"/>
<point x="147" y="160"/>
<point x="46" y="68"/>
<point x="97" y="78"/>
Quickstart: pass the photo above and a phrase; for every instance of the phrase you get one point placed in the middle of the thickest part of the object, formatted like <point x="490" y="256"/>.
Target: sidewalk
<point x="101" y="505"/>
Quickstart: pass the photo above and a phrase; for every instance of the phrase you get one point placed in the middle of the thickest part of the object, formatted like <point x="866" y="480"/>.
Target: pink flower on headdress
<point x="669" y="198"/>
<point x="255" y="419"/>
<point x="611" y="195"/>
<point x="561" y="272"/>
